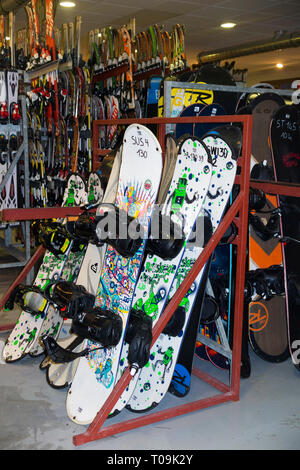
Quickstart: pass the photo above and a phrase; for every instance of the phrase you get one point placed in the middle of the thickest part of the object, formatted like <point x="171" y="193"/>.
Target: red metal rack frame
<point x="238" y="212"/>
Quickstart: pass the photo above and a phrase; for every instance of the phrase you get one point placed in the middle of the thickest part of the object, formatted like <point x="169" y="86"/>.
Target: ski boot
<point x="3" y="113"/>
<point x="15" y="115"/>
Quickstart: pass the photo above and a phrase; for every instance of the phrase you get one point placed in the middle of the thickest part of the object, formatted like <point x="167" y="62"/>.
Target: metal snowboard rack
<point x="237" y="213"/>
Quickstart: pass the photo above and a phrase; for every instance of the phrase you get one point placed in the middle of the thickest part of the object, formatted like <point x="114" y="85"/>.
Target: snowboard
<point x="152" y="96"/>
<point x="220" y="276"/>
<point x="188" y="128"/>
<point x="202" y="128"/>
<point x="267" y="318"/>
<point x="214" y="74"/>
<point x="285" y="141"/>
<point x="155" y="379"/>
<point x="54" y="321"/>
<point x="26" y="331"/>
<point x="61" y="375"/>
<point x="139" y="179"/>
<point x="183" y="201"/>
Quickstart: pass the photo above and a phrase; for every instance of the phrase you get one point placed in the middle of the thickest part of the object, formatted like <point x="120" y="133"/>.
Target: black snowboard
<point x="285" y="141"/>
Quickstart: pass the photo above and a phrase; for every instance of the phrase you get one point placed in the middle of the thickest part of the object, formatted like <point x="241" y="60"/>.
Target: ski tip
<point x="231" y="134"/>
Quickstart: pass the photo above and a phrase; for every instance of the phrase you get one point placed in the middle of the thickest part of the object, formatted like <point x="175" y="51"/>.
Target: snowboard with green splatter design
<point x="183" y="203"/>
<point x="153" y="383"/>
<point x="27" y="329"/>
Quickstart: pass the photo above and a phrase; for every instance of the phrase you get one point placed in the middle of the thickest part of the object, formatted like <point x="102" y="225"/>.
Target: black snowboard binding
<point x="118" y="229"/>
<point x="257" y="199"/>
<point x="54" y="237"/>
<point x="176" y="322"/>
<point x="70" y="298"/>
<point x="84" y="229"/>
<point x="264" y="282"/>
<point x="166" y="240"/>
<point x="139" y="337"/>
<point x="99" y="325"/>
<point x="262" y="171"/>
<point x="110" y="225"/>
<point x="210" y="310"/>
<point x="268" y="231"/>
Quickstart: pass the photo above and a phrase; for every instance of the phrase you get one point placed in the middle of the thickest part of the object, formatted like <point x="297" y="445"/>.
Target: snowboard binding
<point x="265" y="282"/>
<point x="54" y="237"/>
<point x="110" y="225"/>
<point x="139" y="337"/>
<point x="257" y="199"/>
<point x="70" y="298"/>
<point x="176" y="322"/>
<point x="84" y="228"/>
<point x="210" y="310"/>
<point x="118" y="229"/>
<point x="170" y="240"/>
<point x="99" y="325"/>
<point x="262" y="171"/>
<point x="268" y="231"/>
<point x="34" y="304"/>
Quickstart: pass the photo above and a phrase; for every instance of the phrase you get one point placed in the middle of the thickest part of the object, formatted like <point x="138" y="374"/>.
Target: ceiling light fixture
<point x="67" y="4"/>
<point x="228" y="25"/>
<point x="279" y="65"/>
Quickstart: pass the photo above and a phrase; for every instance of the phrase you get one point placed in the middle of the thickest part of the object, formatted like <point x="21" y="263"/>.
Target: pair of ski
<point x="198" y="184"/>
<point x="9" y="106"/>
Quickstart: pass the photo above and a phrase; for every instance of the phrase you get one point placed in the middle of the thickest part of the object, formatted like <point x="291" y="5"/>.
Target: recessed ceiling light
<point x="279" y="66"/>
<point x="228" y="25"/>
<point x="67" y="4"/>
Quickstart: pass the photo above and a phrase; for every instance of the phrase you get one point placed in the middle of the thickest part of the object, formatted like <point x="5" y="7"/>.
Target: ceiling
<point x="255" y="19"/>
